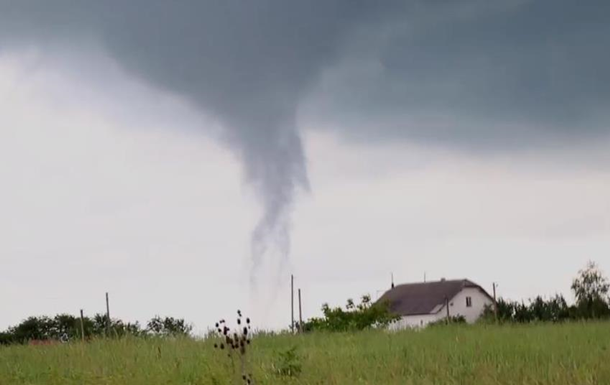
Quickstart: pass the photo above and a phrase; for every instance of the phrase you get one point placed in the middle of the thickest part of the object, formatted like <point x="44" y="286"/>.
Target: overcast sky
<point x="187" y="157"/>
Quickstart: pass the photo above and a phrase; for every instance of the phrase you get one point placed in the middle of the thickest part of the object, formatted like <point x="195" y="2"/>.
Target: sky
<point x="187" y="157"/>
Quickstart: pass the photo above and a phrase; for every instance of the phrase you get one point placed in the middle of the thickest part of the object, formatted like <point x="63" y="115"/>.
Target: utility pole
<point x="292" y="302"/>
<point x="495" y="302"/>
<point x="300" y="314"/>
<point x="82" y="325"/>
<point x="107" y="316"/>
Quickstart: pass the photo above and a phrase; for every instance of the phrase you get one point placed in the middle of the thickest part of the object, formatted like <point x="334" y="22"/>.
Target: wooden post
<point x="107" y="316"/>
<point x="292" y="302"/>
<point x="82" y="325"/>
<point x="300" y="314"/>
<point x="495" y="302"/>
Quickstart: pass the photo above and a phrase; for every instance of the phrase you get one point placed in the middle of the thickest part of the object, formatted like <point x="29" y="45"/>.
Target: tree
<point x="65" y="325"/>
<point x="558" y="308"/>
<point x="99" y="322"/>
<point x="591" y="289"/>
<point x="355" y="317"/>
<point x="554" y="310"/>
<point x="538" y="309"/>
<point x="33" y="328"/>
<point x="6" y="338"/>
<point x="168" y="326"/>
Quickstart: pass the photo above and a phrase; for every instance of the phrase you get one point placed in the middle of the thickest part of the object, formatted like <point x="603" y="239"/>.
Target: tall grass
<point x="526" y="354"/>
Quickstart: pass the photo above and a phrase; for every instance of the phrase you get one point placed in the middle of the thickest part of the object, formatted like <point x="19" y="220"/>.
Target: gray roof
<point x="425" y="297"/>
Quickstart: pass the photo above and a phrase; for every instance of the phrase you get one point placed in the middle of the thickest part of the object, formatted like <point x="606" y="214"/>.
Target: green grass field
<point x="535" y="354"/>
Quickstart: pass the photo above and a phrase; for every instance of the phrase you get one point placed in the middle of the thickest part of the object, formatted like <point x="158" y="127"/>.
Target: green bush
<point x="354" y="317"/>
<point x="288" y="363"/>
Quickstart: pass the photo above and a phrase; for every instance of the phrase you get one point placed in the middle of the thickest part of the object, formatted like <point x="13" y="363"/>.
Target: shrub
<point x="288" y="363"/>
<point x="355" y="317"/>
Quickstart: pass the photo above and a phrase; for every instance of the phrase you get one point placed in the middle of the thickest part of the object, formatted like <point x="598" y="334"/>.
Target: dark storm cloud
<point x="471" y="72"/>
<point x="495" y="79"/>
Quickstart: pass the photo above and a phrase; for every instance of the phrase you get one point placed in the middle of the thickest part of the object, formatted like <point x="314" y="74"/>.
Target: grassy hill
<point x="576" y="353"/>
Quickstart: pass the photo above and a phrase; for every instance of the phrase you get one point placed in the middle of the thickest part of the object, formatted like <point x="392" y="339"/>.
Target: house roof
<point x="425" y="297"/>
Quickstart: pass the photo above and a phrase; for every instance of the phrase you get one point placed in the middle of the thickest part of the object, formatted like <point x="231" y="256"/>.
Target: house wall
<point x="457" y="305"/>
<point x="415" y="321"/>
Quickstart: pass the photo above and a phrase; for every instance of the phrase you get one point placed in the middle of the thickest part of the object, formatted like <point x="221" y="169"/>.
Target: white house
<point x="418" y="304"/>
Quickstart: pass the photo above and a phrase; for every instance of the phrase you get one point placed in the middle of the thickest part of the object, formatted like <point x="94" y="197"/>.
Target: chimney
<point x="443" y="279"/>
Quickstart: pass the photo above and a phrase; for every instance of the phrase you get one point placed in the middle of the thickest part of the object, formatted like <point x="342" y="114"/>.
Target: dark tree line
<point x="65" y="327"/>
<point x="590" y="289"/>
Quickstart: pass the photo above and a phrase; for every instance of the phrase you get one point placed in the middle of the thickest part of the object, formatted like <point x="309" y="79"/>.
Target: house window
<point x="468" y="301"/>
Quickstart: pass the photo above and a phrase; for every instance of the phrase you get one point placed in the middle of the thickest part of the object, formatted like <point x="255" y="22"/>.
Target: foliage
<point x="119" y="328"/>
<point x="168" y="326"/>
<point x="591" y="291"/>
<point x="539" y="309"/>
<point x="33" y="328"/>
<point x="60" y="327"/>
<point x="6" y="338"/>
<point x="64" y="327"/>
<point x="355" y="317"/>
